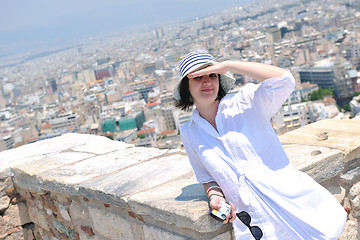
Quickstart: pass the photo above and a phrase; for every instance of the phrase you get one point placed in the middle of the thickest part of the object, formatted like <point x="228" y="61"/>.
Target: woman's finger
<point x="217" y="68"/>
<point x="232" y="206"/>
<point x="232" y="213"/>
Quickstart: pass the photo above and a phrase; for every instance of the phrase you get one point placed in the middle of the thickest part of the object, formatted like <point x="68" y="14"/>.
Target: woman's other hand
<point x="215" y="204"/>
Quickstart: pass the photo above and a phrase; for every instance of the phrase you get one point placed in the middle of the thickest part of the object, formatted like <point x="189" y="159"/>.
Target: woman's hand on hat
<point x="219" y="68"/>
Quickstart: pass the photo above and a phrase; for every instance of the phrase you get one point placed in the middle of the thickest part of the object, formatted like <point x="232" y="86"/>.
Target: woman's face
<point x="204" y="88"/>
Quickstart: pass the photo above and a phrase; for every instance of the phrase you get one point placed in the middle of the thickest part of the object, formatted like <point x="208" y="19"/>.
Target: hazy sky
<point x="27" y="24"/>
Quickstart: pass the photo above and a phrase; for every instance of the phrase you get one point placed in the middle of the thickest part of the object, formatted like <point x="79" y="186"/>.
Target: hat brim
<point x="227" y="80"/>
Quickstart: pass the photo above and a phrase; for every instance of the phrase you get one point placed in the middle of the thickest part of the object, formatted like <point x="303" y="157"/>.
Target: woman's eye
<point x="213" y="75"/>
<point x="198" y="78"/>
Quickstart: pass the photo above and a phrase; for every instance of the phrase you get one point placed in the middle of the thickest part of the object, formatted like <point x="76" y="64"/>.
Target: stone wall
<point x="79" y="186"/>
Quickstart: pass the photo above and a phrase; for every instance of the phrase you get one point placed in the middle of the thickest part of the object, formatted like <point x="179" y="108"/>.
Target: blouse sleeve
<point x="269" y="96"/>
<point x="202" y="175"/>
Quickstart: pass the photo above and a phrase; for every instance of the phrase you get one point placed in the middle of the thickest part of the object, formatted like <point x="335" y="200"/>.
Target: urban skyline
<point x="120" y="87"/>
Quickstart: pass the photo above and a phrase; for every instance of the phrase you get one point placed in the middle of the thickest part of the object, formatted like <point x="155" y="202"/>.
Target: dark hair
<point x="186" y="100"/>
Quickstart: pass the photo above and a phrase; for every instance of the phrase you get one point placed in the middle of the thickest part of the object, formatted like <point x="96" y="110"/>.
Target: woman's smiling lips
<point x="207" y="89"/>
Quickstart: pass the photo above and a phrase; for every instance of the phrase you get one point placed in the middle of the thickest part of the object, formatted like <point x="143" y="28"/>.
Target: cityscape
<point x="120" y="86"/>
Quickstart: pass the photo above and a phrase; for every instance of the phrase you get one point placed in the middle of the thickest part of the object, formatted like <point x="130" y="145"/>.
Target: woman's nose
<point x="206" y="78"/>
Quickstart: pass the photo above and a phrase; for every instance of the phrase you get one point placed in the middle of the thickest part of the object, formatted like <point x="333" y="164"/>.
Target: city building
<point x="104" y="72"/>
<point x="330" y="75"/>
<point x="290" y="117"/>
<point x="130" y="96"/>
<point x="143" y="87"/>
<point x="355" y="106"/>
<point x="6" y="141"/>
<point x="69" y="121"/>
<point x="131" y="120"/>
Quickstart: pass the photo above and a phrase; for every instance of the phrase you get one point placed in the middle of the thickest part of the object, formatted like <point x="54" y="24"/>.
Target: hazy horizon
<point x="29" y="25"/>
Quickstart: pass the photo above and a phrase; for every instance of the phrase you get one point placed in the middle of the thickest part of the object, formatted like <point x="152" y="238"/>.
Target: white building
<point x="290" y="117"/>
<point x="68" y="120"/>
<point x="355" y="106"/>
<point x="6" y="142"/>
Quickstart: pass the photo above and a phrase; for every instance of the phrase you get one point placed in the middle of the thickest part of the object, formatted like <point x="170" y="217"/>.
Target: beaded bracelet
<point x="216" y="195"/>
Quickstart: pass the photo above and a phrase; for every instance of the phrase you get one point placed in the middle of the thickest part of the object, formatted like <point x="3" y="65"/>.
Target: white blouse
<point x="245" y="157"/>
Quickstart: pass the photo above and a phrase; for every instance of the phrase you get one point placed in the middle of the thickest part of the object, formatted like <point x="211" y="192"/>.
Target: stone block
<point x="4" y="227"/>
<point x="351" y="177"/>
<point x="101" y="145"/>
<point x="340" y="134"/>
<point x="224" y="236"/>
<point x="321" y="163"/>
<point x="84" y="236"/>
<point x="354" y="196"/>
<point x="28" y="231"/>
<point x="88" y="230"/>
<point x="104" y="164"/>
<point x="4" y="203"/>
<point x="351" y="231"/>
<point x="186" y="194"/>
<point x="35" y="151"/>
<point x="63" y="229"/>
<point x="17" y="215"/>
<point x="334" y="187"/>
<point x="110" y="225"/>
<point x="5" y="185"/>
<point x="51" y="161"/>
<point x="15" y="233"/>
<point x="137" y="178"/>
<point x="137" y="231"/>
<point x="64" y="213"/>
<point x="153" y="233"/>
<point x="38" y="217"/>
<point x="76" y="211"/>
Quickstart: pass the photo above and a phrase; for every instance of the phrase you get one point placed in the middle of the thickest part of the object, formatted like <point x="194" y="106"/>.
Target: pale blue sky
<point x="28" y="24"/>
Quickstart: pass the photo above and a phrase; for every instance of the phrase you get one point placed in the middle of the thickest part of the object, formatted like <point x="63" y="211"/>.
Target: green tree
<point x="347" y="108"/>
<point x="141" y="136"/>
<point x="320" y="94"/>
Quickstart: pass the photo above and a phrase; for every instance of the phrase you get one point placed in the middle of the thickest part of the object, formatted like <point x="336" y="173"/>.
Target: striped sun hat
<point x="197" y="60"/>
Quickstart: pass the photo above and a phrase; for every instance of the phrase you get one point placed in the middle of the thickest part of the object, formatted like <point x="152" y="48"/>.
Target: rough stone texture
<point x="321" y="163"/>
<point x="64" y="213"/>
<point x="77" y="212"/>
<point x="351" y="177"/>
<point x="4" y="227"/>
<point x="342" y="135"/>
<point x="17" y="215"/>
<point x="351" y="231"/>
<point x="5" y="185"/>
<point x="335" y="188"/>
<point x="188" y="197"/>
<point x="110" y="225"/>
<point x="38" y="218"/>
<point x="4" y="203"/>
<point x="153" y="233"/>
<point x="354" y="196"/>
<point x="225" y="235"/>
<point x="81" y="186"/>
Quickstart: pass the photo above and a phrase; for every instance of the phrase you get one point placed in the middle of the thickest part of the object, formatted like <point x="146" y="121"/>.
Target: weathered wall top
<point x="157" y="183"/>
<point x="335" y="134"/>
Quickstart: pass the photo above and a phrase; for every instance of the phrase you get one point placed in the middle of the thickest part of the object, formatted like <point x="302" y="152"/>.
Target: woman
<point x="237" y="156"/>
